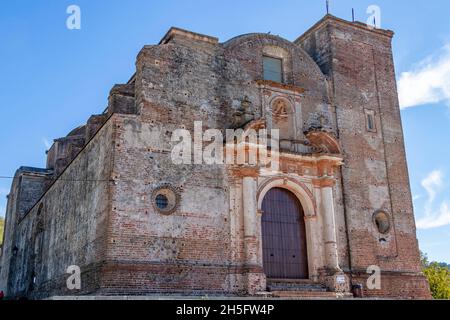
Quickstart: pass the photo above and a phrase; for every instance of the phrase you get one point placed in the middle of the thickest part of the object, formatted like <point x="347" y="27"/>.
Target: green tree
<point x="438" y="277"/>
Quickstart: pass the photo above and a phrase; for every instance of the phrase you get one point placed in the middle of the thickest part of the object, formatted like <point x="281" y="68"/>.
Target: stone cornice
<point x="315" y="158"/>
<point x="330" y="19"/>
<point x="267" y="84"/>
<point x="245" y="171"/>
<point x="173" y="31"/>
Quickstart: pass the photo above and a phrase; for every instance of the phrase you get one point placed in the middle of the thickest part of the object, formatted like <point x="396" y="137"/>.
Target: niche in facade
<point x="382" y="222"/>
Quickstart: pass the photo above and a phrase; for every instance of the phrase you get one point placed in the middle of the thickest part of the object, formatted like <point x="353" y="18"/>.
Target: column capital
<point x="324" y="182"/>
<point x="245" y="171"/>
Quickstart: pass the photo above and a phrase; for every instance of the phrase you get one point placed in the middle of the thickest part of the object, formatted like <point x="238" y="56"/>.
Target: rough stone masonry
<point x="112" y="202"/>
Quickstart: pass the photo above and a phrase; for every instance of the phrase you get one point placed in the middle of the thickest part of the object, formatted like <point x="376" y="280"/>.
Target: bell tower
<point x="358" y="62"/>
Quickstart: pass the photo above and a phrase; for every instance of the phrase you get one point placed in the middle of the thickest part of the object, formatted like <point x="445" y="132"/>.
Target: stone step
<point x="310" y="295"/>
<point x="295" y="285"/>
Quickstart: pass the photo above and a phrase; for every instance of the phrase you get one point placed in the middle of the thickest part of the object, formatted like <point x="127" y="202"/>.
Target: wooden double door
<point x="283" y="236"/>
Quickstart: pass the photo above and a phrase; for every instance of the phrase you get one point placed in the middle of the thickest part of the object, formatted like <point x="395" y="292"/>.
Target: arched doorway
<point x="283" y="236"/>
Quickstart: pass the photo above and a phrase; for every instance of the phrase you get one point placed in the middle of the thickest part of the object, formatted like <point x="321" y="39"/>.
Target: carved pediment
<point x="323" y="142"/>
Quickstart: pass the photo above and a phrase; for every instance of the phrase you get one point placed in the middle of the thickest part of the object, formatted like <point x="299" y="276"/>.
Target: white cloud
<point x="434" y="218"/>
<point x="432" y="184"/>
<point x="4" y="191"/>
<point x="46" y="143"/>
<point x="428" y="82"/>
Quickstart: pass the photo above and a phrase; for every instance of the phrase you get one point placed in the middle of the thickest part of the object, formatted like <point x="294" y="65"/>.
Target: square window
<point x="273" y="69"/>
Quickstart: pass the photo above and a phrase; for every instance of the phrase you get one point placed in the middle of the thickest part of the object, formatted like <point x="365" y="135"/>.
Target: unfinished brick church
<point x="112" y="201"/>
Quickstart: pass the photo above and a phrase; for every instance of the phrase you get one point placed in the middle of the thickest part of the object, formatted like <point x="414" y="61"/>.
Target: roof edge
<point x="330" y="18"/>
<point x="174" y="31"/>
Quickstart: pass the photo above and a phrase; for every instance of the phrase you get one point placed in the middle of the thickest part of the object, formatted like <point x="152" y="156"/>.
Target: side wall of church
<point x="66" y="227"/>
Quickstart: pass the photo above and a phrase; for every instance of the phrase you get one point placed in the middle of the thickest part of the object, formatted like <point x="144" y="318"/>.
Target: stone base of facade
<point x="154" y="280"/>
<point x="90" y="280"/>
<point x="336" y="281"/>
<point x="127" y="278"/>
<point x="396" y="285"/>
<point x="255" y="283"/>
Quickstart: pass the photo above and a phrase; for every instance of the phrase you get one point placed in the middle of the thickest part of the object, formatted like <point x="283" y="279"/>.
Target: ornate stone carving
<point x="280" y="109"/>
<point x="323" y="142"/>
<point x="244" y="113"/>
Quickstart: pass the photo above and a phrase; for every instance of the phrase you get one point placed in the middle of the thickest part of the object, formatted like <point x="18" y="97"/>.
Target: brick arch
<point x="299" y="189"/>
<point x="247" y="50"/>
<point x="265" y="39"/>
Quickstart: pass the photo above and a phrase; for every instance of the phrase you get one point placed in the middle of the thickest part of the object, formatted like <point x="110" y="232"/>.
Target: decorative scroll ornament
<point x="323" y="142"/>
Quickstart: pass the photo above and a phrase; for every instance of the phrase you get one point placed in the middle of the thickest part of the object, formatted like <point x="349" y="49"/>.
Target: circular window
<point x="161" y="201"/>
<point x="165" y="199"/>
<point x="382" y="222"/>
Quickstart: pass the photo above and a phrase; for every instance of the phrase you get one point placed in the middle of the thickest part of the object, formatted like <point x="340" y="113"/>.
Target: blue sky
<point x="52" y="78"/>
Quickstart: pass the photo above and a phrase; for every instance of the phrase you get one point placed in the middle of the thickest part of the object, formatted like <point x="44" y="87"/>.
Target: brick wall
<point x="100" y="214"/>
<point x="360" y="65"/>
<point x="64" y="228"/>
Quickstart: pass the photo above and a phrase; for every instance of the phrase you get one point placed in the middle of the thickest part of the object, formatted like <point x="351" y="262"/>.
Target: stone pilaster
<point x="330" y="239"/>
<point x="334" y="277"/>
<point x="255" y="280"/>
<point x="250" y="212"/>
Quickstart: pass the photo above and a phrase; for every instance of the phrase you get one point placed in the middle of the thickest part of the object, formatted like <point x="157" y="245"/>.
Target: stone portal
<point x="283" y="236"/>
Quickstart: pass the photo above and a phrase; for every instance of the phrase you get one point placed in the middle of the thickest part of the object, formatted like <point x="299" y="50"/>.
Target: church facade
<point x="335" y="212"/>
